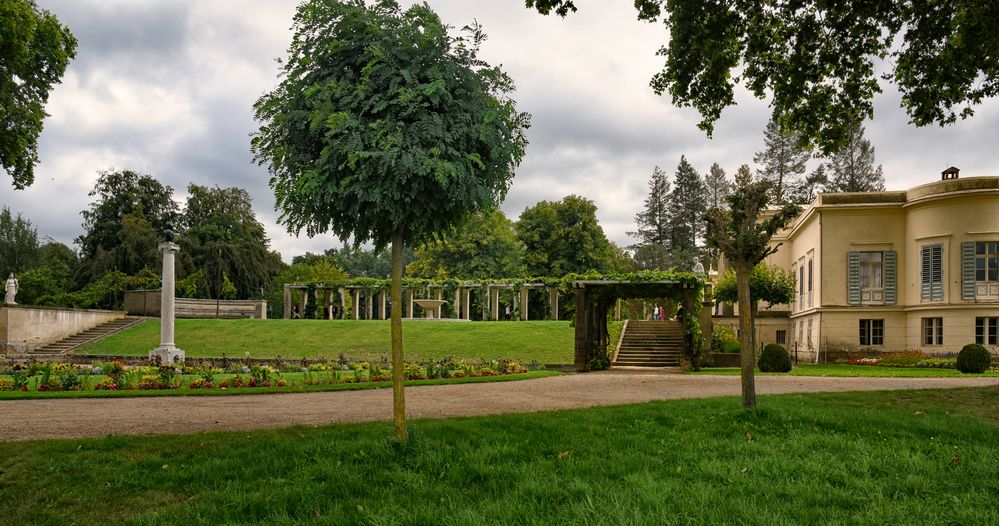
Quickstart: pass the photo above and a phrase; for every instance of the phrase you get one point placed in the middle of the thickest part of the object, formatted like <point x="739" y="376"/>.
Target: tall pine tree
<point x="716" y="187"/>
<point x="653" y="234"/>
<point x="743" y="176"/>
<point x="783" y="162"/>
<point x="686" y="208"/>
<point x="852" y="168"/>
<point x="816" y="182"/>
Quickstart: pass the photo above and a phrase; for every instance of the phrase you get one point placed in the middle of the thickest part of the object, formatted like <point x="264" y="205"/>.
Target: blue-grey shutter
<point x="936" y="272"/>
<point x="968" y="270"/>
<point x="853" y="278"/>
<point x="890" y="268"/>
<point x="931" y="280"/>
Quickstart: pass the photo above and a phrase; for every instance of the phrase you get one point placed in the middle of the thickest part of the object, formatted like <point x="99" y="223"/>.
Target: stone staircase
<point x="79" y="339"/>
<point x="650" y="344"/>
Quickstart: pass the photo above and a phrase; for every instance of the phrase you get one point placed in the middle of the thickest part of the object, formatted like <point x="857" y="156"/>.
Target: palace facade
<point x="887" y="271"/>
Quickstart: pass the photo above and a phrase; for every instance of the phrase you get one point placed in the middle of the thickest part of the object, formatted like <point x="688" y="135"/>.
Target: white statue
<point x="11" y="289"/>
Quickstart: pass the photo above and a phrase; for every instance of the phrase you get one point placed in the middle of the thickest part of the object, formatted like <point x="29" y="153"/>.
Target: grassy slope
<point x="903" y="457"/>
<point x="856" y="370"/>
<point x="544" y="341"/>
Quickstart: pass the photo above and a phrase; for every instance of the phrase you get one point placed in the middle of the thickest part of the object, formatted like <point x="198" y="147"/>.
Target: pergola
<point x="376" y="299"/>
<point x="595" y="297"/>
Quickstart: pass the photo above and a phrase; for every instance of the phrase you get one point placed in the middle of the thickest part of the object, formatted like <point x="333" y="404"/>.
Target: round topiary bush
<point x="973" y="358"/>
<point x="774" y="359"/>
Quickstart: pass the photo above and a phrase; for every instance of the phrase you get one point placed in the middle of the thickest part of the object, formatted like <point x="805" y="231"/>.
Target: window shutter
<point x="925" y="280"/>
<point x="931" y="281"/>
<point x="853" y="278"/>
<point x="890" y="276"/>
<point x="968" y="270"/>
<point x="936" y="273"/>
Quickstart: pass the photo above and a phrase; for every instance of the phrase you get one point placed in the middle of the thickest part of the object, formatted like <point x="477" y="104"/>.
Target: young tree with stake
<point x="386" y="129"/>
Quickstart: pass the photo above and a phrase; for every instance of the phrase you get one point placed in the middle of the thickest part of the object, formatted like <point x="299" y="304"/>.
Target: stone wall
<point x="27" y="327"/>
<point x="147" y="303"/>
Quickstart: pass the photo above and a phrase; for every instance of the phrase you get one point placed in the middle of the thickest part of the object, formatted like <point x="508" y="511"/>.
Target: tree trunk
<point x="746" y="336"/>
<point x="398" y="363"/>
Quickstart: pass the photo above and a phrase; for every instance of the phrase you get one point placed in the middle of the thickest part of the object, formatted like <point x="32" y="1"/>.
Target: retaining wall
<point x="27" y="327"/>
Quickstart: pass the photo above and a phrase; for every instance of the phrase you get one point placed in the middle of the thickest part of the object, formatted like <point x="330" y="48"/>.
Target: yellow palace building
<point x="888" y="271"/>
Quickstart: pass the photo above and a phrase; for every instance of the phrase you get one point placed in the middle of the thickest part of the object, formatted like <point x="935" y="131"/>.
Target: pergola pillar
<point x="343" y="302"/>
<point x="553" y="300"/>
<point x="494" y="295"/>
<point x="369" y="304"/>
<point x="457" y="303"/>
<point x="382" y="294"/>
<point x="328" y="297"/>
<point x="523" y="302"/>
<point x="468" y="304"/>
<point x="356" y="296"/>
<point x="617" y="310"/>
<point x="410" y="311"/>
<point x="287" y="302"/>
<point x="303" y="303"/>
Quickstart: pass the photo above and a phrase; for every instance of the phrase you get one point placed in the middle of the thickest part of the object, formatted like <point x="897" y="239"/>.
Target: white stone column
<point x="167" y="352"/>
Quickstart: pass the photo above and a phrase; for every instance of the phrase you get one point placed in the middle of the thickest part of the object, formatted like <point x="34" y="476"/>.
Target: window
<point x="986" y="330"/>
<point x="871" y="277"/>
<point x="932" y="273"/>
<point x="872" y="332"/>
<point x="782" y="337"/>
<point x="987" y="268"/>
<point x="932" y="331"/>
<point x="809" y="282"/>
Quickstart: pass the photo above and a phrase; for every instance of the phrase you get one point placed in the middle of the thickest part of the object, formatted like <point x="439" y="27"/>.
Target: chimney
<point x="950" y="173"/>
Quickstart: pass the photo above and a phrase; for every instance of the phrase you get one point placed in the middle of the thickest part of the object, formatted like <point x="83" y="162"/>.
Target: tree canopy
<point x="686" y="206"/>
<point x="19" y="248"/>
<point x="817" y="61"/>
<point x="35" y="49"/>
<point x="783" y="162"/>
<point x="563" y="237"/>
<point x="767" y="283"/>
<point x="653" y="221"/>
<point x="483" y="246"/>
<point x="852" y="168"/>
<point x="384" y="123"/>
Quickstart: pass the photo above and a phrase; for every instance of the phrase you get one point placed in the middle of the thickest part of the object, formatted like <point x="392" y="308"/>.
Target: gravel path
<point x="96" y="417"/>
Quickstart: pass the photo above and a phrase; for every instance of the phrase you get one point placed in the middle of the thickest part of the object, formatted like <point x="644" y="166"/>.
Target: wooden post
<point x="287" y="302"/>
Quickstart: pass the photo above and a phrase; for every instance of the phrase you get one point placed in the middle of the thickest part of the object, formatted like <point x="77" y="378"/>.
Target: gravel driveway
<point x="96" y="417"/>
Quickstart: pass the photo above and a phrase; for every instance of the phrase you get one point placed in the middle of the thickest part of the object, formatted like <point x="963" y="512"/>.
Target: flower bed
<point x="118" y="376"/>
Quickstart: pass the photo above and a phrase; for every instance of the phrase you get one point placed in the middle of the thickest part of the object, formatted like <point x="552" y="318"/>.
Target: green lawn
<point x="901" y="457"/>
<point x="855" y="370"/>
<point x="544" y="341"/>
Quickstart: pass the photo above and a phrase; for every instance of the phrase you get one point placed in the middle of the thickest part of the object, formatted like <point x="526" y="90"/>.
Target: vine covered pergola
<point x="595" y="297"/>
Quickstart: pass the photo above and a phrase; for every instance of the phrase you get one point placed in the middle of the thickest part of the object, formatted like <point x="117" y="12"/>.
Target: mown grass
<point x="873" y="371"/>
<point x="543" y="341"/>
<point x="900" y="457"/>
<point x="295" y="385"/>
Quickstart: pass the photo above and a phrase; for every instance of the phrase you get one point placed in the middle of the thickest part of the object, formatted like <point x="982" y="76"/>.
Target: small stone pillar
<point x="167" y="352"/>
<point x="287" y="302"/>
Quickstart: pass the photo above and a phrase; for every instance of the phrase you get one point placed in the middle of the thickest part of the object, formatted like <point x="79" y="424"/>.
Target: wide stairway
<point x="651" y="344"/>
<point x="82" y="338"/>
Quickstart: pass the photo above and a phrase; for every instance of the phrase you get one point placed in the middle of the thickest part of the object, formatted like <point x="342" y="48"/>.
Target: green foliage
<point x="34" y="51"/>
<point x="723" y="339"/>
<point x="783" y="162"/>
<point x="816" y="61"/>
<point x="769" y="283"/>
<point x="852" y="167"/>
<point x="384" y="124"/>
<point x="223" y="239"/>
<point x="482" y="246"/>
<point x="686" y="206"/>
<point x="774" y="359"/>
<point x="19" y="250"/>
<point x="563" y="237"/>
<point x="654" y="241"/>
<point x="188" y="287"/>
<point x="117" y="194"/>
<point x="973" y="358"/>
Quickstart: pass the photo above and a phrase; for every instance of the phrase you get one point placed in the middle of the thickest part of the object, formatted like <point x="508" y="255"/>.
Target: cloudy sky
<point x="167" y="88"/>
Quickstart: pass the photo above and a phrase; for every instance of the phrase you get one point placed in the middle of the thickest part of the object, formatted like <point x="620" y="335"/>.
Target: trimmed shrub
<point x="973" y="358"/>
<point x="774" y="359"/>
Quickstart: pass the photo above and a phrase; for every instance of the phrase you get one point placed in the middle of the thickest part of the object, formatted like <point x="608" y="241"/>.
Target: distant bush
<point x="937" y="363"/>
<point x="973" y="358"/>
<point x="774" y="359"/>
<point x="723" y="339"/>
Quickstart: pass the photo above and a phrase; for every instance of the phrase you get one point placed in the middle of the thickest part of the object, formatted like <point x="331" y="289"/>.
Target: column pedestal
<point x="167" y="352"/>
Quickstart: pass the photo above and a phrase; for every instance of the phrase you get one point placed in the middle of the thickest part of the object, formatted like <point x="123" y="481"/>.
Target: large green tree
<point x="386" y="128"/>
<point x="653" y="233"/>
<point x="35" y="49"/>
<point x="482" y="247"/>
<point x="767" y="283"/>
<point x="743" y="238"/>
<point x="782" y="162"/>
<point x="817" y="61"/>
<point x="563" y="237"/>
<point x="19" y="249"/>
